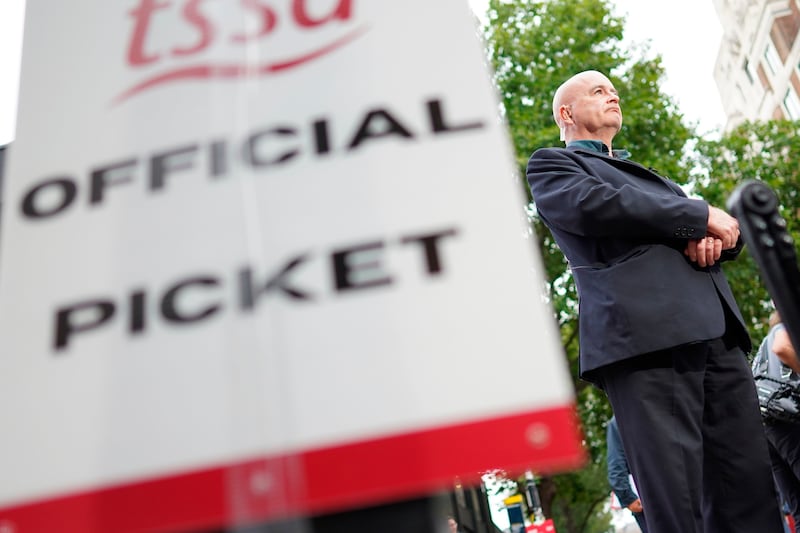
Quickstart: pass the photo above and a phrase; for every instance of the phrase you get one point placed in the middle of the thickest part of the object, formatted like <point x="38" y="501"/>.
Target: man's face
<point x="593" y="105"/>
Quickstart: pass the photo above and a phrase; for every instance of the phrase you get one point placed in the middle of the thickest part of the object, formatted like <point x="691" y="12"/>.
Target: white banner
<point x="246" y="230"/>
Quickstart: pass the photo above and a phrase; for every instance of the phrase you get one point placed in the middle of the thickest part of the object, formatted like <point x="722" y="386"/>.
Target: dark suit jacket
<point x="623" y="230"/>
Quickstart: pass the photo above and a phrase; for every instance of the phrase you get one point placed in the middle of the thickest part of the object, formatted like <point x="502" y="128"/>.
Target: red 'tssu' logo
<point x="298" y="16"/>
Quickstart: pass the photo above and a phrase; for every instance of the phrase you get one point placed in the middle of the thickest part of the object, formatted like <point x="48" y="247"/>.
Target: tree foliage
<point x="763" y="151"/>
<point x="533" y="47"/>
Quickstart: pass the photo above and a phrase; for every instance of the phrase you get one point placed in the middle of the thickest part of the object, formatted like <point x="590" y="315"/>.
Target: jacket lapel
<point x="627" y="165"/>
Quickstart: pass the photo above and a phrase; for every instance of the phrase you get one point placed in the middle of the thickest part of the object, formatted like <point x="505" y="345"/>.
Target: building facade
<point x="758" y="66"/>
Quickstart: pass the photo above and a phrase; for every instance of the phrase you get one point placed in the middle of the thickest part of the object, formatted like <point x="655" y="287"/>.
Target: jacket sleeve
<point x="573" y="198"/>
<point x="618" y="472"/>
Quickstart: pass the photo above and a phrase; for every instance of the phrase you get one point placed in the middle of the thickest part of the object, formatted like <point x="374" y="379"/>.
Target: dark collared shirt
<point x="598" y="146"/>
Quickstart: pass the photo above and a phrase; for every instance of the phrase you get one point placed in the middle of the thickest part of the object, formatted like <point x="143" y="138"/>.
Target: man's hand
<point x="705" y="251"/>
<point x="635" y="506"/>
<point x="722" y="226"/>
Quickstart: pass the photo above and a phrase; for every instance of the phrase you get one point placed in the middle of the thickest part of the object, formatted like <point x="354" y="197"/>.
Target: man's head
<point x="586" y="107"/>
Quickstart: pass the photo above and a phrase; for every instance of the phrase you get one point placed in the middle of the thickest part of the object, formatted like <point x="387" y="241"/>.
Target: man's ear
<point x="565" y="113"/>
<point x="564" y="118"/>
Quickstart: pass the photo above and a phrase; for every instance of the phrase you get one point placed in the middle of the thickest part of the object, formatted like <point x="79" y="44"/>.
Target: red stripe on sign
<point x="314" y="481"/>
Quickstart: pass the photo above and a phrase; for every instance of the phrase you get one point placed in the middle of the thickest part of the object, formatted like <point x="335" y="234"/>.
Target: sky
<point x="688" y="54"/>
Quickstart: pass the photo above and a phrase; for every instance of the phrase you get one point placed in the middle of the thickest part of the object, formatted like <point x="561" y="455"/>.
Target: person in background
<point x="660" y="331"/>
<point x="783" y="349"/>
<point x="783" y="436"/>
<point x="452" y="525"/>
<point x="619" y="475"/>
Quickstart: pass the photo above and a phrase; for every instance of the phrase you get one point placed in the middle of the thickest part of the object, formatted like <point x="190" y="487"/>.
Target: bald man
<point x="660" y="331"/>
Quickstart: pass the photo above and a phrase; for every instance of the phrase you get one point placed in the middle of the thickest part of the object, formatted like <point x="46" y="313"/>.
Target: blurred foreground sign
<point x="262" y="259"/>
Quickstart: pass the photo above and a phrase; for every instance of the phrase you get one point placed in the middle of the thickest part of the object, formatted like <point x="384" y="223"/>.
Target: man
<point x="660" y="331"/>
<point x="619" y="475"/>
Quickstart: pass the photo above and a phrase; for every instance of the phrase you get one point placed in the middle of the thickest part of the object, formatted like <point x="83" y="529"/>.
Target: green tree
<point x="534" y="46"/>
<point x="764" y="151"/>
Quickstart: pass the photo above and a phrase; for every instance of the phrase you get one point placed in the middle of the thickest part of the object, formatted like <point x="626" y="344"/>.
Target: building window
<point x="748" y="72"/>
<point x="771" y="58"/>
<point x="792" y="104"/>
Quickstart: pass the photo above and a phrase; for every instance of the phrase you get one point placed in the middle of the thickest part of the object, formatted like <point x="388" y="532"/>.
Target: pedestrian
<point x="660" y="331"/>
<point x="619" y="475"/>
<point x="783" y="429"/>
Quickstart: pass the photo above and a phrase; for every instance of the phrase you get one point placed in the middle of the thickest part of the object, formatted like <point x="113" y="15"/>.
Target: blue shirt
<point x="618" y="471"/>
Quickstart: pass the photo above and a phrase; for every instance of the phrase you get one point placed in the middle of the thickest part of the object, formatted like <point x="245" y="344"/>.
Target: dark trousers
<point x="691" y="429"/>
<point x="784" y="440"/>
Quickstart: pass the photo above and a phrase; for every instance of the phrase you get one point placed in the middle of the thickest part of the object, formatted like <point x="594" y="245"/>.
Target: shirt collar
<point x="598" y="146"/>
